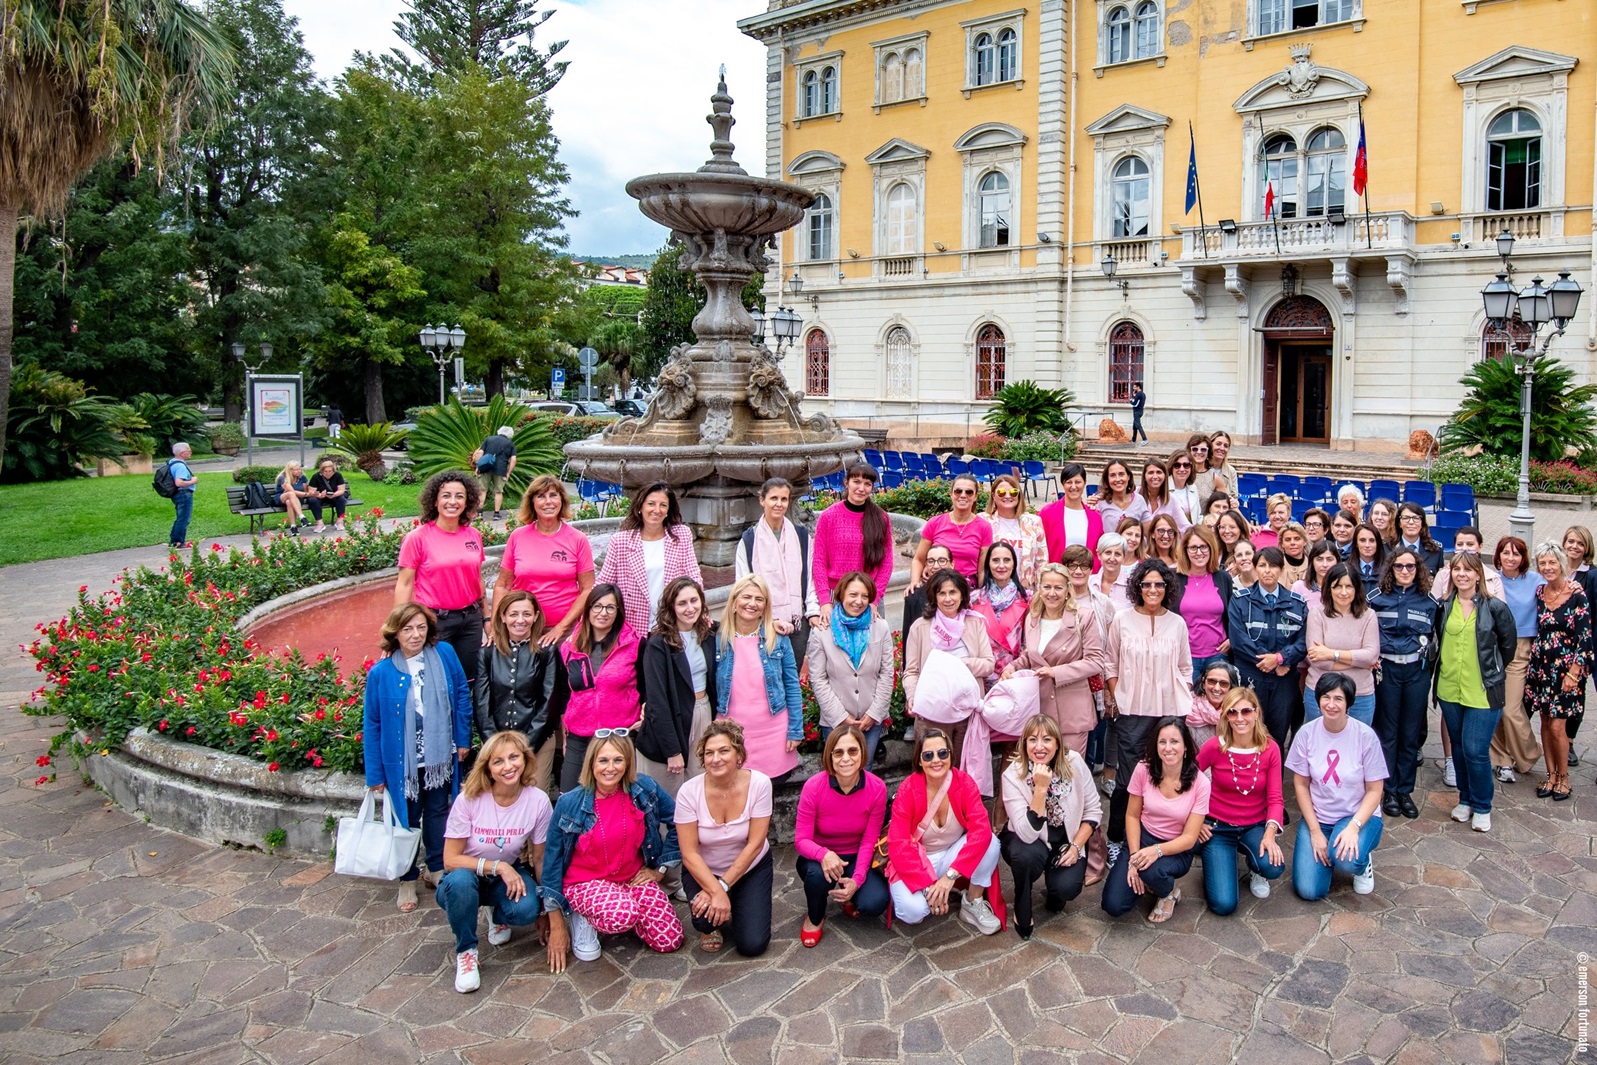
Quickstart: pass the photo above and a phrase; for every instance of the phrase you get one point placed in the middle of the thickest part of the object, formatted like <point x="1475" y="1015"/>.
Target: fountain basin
<point x="735" y="203"/>
<point x="605" y="458"/>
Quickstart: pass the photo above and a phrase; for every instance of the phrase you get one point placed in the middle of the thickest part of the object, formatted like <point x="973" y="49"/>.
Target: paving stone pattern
<point x="121" y="942"/>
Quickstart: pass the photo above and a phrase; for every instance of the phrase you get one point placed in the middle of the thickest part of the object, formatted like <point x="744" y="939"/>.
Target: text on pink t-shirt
<point x="448" y="565"/>
<point x="1167" y="818"/>
<point x="1338" y="765"/>
<point x="547" y="565"/>
<point x="720" y="845"/>
<point x="965" y="542"/>
<point x="497" y="833"/>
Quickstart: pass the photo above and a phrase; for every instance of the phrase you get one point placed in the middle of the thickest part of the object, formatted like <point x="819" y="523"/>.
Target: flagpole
<point x="1369" y="241"/>
<point x="1203" y="230"/>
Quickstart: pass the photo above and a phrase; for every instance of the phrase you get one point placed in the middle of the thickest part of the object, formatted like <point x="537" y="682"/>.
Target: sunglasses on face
<point x="939" y="755"/>
<point x="1009" y="492"/>
<point x="1151" y="586"/>
<point x="1238" y="711"/>
<point x="964" y="491"/>
<point x="1403" y="567"/>
<point x="1182" y="466"/>
<point x="1217" y="682"/>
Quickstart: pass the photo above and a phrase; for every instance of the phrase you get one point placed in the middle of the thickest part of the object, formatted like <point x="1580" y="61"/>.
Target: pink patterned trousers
<point x="616" y="908"/>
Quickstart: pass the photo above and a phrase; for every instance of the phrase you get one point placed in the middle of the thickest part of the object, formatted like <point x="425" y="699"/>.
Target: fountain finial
<point x="721" y="121"/>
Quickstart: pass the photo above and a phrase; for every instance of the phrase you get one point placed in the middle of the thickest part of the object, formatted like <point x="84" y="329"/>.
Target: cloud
<point x="633" y="101"/>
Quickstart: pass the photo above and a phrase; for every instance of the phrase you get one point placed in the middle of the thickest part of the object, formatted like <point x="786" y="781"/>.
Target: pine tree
<point x="494" y="36"/>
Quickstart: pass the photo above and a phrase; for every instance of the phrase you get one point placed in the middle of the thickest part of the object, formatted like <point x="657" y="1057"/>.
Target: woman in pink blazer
<point x="650" y="550"/>
<point x="1068" y="521"/>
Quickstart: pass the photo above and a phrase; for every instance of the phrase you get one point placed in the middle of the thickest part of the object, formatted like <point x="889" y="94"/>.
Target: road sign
<point x="557" y="378"/>
<point x="588" y="359"/>
<point x="460" y="371"/>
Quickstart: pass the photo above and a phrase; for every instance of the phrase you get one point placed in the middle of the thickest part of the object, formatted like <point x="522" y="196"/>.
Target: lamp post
<point x="239" y="351"/>
<point x="1536" y="306"/>
<point x="783" y="324"/>
<point x="1109" y="266"/>
<point x="442" y="342"/>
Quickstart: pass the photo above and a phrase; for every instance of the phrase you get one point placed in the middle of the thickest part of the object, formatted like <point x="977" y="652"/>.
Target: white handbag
<point x="382" y="849"/>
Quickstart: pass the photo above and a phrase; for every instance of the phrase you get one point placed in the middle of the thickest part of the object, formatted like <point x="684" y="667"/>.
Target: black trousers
<point x="462" y="630"/>
<point x="1278" y="696"/>
<point x="870" y="900"/>
<point x="1039" y="858"/>
<point x="337" y="506"/>
<point x="750" y="923"/>
<point x="571" y="761"/>
<point x="1402" y="699"/>
<point x="1131" y="736"/>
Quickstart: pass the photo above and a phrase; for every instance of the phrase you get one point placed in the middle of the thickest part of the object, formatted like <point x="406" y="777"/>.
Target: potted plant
<point x="227" y="439"/>
<point x="366" y="444"/>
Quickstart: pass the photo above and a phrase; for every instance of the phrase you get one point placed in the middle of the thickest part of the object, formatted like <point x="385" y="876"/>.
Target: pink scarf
<point x="948" y="632"/>
<point x="777" y="560"/>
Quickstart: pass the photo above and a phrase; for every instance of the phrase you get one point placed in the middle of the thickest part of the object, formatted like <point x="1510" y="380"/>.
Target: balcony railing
<point x="1130" y="254"/>
<point x="899" y="266"/>
<point x="1524" y="225"/>
<point x="1387" y="231"/>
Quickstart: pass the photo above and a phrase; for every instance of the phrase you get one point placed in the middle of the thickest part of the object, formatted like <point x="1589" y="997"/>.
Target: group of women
<point x="1192" y="659"/>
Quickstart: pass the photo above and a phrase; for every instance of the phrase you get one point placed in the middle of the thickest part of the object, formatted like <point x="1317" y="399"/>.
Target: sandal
<point x="1561" y="788"/>
<point x="710" y="943"/>
<point x="1165" y="908"/>
<point x="1545" y="788"/>
<point x="407" y="896"/>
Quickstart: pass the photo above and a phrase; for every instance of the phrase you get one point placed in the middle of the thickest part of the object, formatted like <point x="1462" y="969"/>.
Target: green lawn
<point x="80" y="517"/>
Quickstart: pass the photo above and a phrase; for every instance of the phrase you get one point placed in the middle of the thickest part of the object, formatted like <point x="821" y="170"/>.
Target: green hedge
<point x="570" y="430"/>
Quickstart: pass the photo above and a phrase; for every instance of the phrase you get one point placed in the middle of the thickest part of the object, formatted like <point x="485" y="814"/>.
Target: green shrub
<point x="169" y="418"/>
<point x="263" y="474"/>
<point x="54" y="427"/>
<point x="366" y="443"/>
<point x="341" y="462"/>
<point x="226" y="434"/>
<point x="570" y="430"/>
<point x="1026" y="407"/>
<point x="1561" y="414"/>
<point x="986" y="446"/>
<point x="400" y="474"/>
<point x="445" y="437"/>
<point x="1486" y="474"/>
<point x="1043" y="447"/>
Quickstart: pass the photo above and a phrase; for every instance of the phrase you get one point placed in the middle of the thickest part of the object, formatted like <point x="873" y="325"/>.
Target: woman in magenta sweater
<point x="600" y="664"/>
<point x="1245" y="808"/>
<point x="852" y="534"/>
<point x="1205" y="591"/>
<point x="840" y="812"/>
<point x="940" y="832"/>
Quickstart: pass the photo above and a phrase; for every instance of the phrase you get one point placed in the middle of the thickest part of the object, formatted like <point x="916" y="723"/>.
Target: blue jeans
<point x="1363" y="708"/>
<point x="1310" y="879"/>
<point x="183" y="504"/>
<point x="1220" y="862"/>
<point x="461" y="892"/>
<point x="1158" y="880"/>
<point x="873" y="739"/>
<point x="870" y="900"/>
<point x="1472" y="728"/>
<point x="1096" y="743"/>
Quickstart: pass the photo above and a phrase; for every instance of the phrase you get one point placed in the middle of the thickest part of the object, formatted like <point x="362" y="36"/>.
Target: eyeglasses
<point x="1217" y="682"/>
<point x="602" y="608"/>
<point x="606" y="733"/>
<point x="1164" y="531"/>
<point x="1404" y="567"/>
<point x="1078" y="567"/>
<point x="1405" y="519"/>
<point x="940" y="755"/>
<point x="1149" y="586"/>
<point x="1198" y="549"/>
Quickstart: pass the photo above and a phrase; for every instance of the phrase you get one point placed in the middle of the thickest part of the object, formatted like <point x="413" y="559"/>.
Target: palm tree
<point x="80" y="80"/>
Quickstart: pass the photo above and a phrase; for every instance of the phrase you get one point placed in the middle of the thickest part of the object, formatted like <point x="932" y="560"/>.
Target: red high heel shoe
<point x="808" y="938"/>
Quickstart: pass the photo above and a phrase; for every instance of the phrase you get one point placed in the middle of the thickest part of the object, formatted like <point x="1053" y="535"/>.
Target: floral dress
<point x="1563" y="642"/>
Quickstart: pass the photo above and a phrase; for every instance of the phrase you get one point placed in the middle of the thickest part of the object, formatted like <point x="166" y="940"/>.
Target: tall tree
<point x="78" y="81"/>
<point x="492" y="36"/>
<point x="675" y="296"/>
<point x="251" y="186"/>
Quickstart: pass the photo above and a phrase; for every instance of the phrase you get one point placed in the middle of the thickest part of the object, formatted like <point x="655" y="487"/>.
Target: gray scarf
<point x="437" y="721"/>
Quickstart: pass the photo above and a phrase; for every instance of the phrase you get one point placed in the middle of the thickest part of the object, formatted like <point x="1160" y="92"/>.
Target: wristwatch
<point x="663" y="869"/>
<point x="724" y="887"/>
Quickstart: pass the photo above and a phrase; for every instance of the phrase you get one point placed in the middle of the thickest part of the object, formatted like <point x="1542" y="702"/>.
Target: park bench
<point x="258" y="516"/>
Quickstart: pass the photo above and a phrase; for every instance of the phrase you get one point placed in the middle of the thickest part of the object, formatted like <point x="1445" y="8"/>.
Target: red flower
<point x="93" y="668"/>
<point x="41" y="780"/>
<point x="272" y="766"/>
<point x="376" y="512"/>
<point x="271" y="735"/>
<point x="42" y="760"/>
<point x="284" y="698"/>
<point x="162" y="726"/>
<point x="192" y="730"/>
<point x="321" y="715"/>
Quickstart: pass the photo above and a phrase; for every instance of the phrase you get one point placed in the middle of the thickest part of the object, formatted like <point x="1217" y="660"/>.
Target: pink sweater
<point x="1259" y="774"/>
<point x="1345" y="633"/>
<point x="847" y="825"/>
<point x="838" y="543"/>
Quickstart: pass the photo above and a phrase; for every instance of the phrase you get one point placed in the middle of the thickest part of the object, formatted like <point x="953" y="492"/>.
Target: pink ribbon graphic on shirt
<point x="1331" y="761"/>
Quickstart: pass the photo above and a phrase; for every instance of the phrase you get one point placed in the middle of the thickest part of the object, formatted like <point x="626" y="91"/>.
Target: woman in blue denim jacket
<point x="756" y="681"/>
<point x="611" y="842"/>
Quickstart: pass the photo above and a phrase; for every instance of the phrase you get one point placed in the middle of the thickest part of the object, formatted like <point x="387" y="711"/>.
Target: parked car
<point x="586" y="408"/>
<point x="630" y="408"/>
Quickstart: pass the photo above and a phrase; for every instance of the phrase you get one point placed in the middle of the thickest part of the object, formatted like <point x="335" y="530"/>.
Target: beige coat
<point x="918" y="647"/>
<point x="843" y="691"/>
<point x="1075" y="653"/>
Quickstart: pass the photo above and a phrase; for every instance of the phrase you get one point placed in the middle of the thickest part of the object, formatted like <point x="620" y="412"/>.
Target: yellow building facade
<point x="1002" y="195"/>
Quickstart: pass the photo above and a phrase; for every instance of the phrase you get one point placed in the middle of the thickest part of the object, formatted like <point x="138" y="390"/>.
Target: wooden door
<point x="1304" y="390"/>
<point x="1272" y="390"/>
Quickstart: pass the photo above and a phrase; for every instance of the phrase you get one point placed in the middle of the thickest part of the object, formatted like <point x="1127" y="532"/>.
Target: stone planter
<point x="126" y="464"/>
<point x="226" y="450"/>
<point x="1554" y="500"/>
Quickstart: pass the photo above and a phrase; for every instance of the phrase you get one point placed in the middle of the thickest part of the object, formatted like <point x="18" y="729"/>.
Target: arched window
<point x="1147" y="29"/>
<point x="985" y="60"/>
<point x="1008" y="55"/>
<point x="1326" y="171"/>
<point x="1278" y="167"/>
<point x="828" y="90"/>
<point x="817" y="364"/>
<point x="1125" y="360"/>
<point x="1501" y="343"/>
<point x="821" y="227"/>
<point x="1514" y="162"/>
<point x="892" y="78"/>
<point x="901" y="228"/>
<point x="913" y="77"/>
<point x="1117" y="33"/>
<point x="900" y="364"/>
<point x="994" y="192"/>
<point x="1131" y="203"/>
<point x="812" y="93"/>
<point x="990" y="350"/>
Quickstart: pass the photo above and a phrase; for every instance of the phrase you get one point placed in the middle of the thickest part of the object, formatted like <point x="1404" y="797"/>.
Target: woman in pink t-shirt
<point x="723" y="819"/>
<point x="962" y="530"/>
<point x="1167" y="802"/>
<point x="440" y="563"/>
<point x="548" y="558"/>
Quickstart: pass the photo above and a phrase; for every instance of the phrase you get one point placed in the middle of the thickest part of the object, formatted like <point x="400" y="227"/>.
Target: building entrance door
<point x="1304" y="394"/>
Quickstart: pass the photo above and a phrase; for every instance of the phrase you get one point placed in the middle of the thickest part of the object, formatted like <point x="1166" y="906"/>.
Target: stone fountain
<point x="723" y="419"/>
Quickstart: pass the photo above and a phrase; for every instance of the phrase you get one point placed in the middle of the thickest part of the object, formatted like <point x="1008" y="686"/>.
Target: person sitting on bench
<point x="328" y="489"/>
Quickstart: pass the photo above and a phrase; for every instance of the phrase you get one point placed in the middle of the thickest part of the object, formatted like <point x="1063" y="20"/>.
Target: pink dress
<point x="764" y="733"/>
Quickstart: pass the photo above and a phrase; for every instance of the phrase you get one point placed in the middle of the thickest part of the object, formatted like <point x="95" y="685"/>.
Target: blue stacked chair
<point x="874" y="458"/>
<point x="933" y="466"/>
<point x="890" y="479"/>
<point x="913" y="466"/>
<point x="1037" y="473"/>
<point x="1421" y="492"/>
<point x="957" y="466"/>
<point x="1284" y="484"/>
<point x="1255" y="510"/>
<point x="1459" y="497"/>
<point x="894" y="460"/>
<point x="1252" y="484"/>
<point x="1319" y="489"/>
<point x="1383" y="488"/>
<point x="1301" y="507"/>
<point x="1445" y="528"/>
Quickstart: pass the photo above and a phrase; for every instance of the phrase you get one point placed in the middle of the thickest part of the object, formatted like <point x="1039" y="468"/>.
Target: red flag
<point x="1361" y="164"/>
<point x="1269" y="200"/>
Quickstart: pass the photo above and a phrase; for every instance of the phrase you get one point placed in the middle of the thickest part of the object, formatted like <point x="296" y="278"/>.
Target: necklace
<point x="1236" y="772"/>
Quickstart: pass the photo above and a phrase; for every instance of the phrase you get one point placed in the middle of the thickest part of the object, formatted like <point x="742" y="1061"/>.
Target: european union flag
<point x="1192" y="177"/>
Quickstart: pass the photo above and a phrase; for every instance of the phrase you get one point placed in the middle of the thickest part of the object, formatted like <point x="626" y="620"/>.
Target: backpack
<point x="255" y="497"/>
<point x="165" y="482"/>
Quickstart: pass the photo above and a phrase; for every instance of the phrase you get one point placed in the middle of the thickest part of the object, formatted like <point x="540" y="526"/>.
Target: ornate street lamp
<point x="441" y="342"/>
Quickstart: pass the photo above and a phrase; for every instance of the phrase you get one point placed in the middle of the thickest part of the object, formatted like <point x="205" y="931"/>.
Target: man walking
<point x="183" y="501"/>
<point x="335" y="421"/>
<point x="1139" y="399"/>
<point x="495" y="462"/>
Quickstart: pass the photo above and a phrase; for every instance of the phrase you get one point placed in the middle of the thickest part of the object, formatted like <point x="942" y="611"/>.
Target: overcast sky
<point x="633" y="101"/>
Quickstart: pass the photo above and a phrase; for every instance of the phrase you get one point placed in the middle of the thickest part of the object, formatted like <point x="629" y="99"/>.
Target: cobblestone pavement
<point x="122" y="942"/>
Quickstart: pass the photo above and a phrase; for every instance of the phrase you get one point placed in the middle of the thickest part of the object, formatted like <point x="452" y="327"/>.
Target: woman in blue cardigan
<point x="417" y="730"/>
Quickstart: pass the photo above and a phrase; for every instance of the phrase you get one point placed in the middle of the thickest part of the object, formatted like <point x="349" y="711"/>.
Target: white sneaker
<point x="1449" y="777"/>
<point x="1460" y="813"/>
<point x="1364" y="883"/>
<point x="1107" y="787"/>
<point x="1481" y="822"/>
<point x="1259" y="886"/>
<point x="584" y="938"/>
<point x="498" y="934"/>
<point x="979" y="916"/>
<point x="467" y="978"/>
<point x="1506" y="774"/>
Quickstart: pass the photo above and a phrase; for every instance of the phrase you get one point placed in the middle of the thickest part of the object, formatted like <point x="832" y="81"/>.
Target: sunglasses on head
<point x="939" y="755"/>
<point x="606" y="733"/>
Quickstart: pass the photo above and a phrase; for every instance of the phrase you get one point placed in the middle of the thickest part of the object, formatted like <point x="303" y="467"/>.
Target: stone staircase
<point x="1286" y="459"/>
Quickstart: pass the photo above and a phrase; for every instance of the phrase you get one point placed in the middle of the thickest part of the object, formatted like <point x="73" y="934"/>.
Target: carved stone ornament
<point x="768" y="392"/>
<point x="677" y="388"/>
<point x="717" y="424"/>
<point x="1302" y="76"/>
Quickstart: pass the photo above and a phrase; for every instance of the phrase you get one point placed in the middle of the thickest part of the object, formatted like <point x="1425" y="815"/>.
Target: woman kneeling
<point x="1052" y="809"/>
<point x="840" y="814"/>
<point x="940" y="832"/>
<point x="1167" y="800"/>
<point x="723" y="819"/>
<point x="492" y="843"/>
<point x="1338" y="773"/>
<point x="1245" y="807"/>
